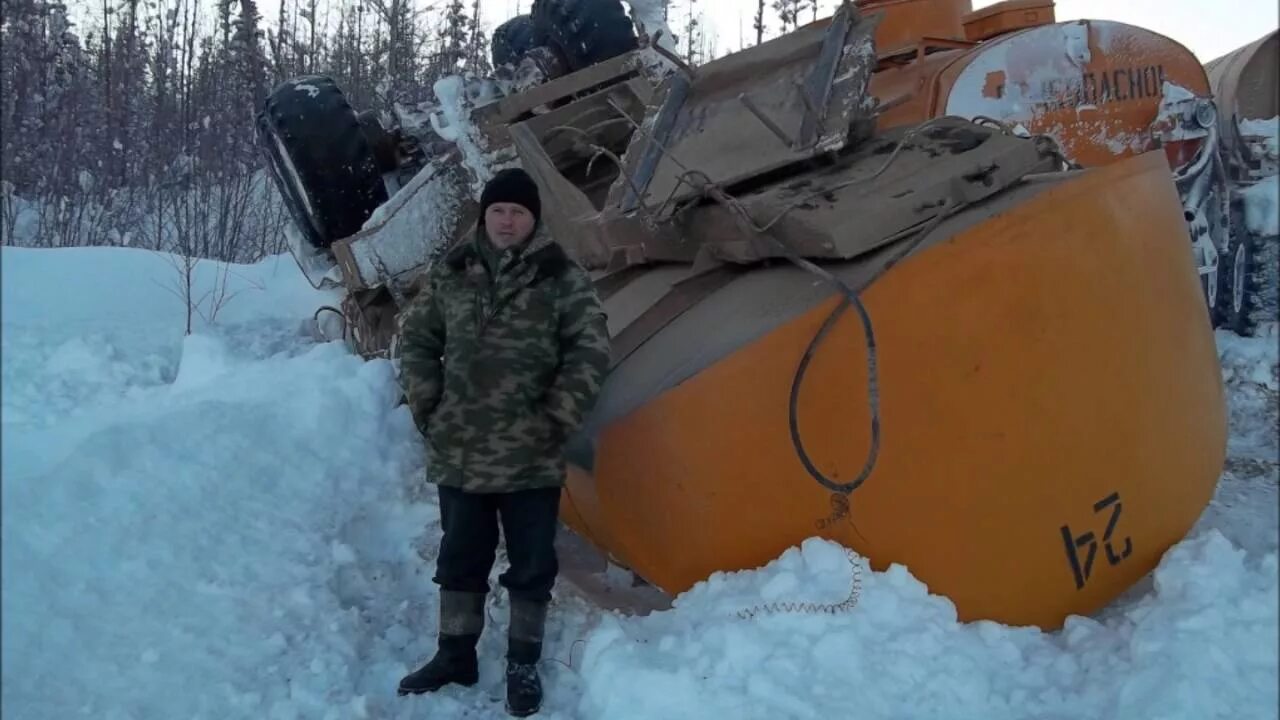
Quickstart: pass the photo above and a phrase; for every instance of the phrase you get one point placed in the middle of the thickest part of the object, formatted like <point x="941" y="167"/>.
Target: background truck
<point x="1245" y="84"/>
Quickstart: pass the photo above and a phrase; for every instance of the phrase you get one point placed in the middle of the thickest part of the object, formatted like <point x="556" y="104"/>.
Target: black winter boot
<point x="524" y="649"/>
<point x="461" y="622"/>
<point x="524" y="689"/>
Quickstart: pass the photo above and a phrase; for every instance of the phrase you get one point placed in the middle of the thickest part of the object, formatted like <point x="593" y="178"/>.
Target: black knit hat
<point x="512" y="185"/>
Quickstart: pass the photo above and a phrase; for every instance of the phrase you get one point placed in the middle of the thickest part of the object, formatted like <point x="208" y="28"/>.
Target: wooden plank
<point x="516" y="105"/>
<point x="566" y="210"/>
<point x="585" y="112"/>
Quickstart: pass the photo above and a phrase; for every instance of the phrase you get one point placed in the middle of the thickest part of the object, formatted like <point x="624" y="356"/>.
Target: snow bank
<point x="1262" y="207"/>
<point x="181" y="544"/>
<point x="178" y="560"/>
<point x="901" y="653"/>
<point x="1252" y="379"/>
<point x="1030" y="69"/>
<point x="125" y="285"/>
<point x="1269" y="129"/>
<point x="83" y="326"/>
<point x="233" y="525"/>
<point x="1246" y="506"/>
<point x="1262" y="201"/>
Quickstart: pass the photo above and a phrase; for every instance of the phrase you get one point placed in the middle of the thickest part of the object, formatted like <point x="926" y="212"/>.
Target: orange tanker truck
<point x="1104" y="90"/>
<point x="1246" y="84"/>
<point x="935" y="343"/>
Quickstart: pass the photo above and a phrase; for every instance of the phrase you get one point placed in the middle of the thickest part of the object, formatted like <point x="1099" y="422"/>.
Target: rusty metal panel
<point x="757" y="110"/>
<point x="1095" y="86"/>
<point x="1005" y="17"/>
<point x="883" y="192"/>
<point x="906" y="22"/>
<point x="846" y="214"/>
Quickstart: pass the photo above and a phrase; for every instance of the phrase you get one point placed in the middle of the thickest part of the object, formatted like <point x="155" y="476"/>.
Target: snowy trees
<point x="45" y="81"/>
<point x="789" y="12"/>
<point x="693" y="36"/>
<point x="141" y="114"/>
<point x="142" y="109"/>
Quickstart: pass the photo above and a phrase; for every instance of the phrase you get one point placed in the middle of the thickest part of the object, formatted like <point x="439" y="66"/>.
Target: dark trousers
<point x="470" y="522"/>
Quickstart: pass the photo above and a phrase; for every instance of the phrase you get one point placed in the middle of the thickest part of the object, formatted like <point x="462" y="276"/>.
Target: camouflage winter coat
<point x="498" y="373"/>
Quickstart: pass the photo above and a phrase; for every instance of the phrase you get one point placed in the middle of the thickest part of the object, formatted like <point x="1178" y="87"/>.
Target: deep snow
<point x="231" y="525"/>
<point x="1262" y="207"/>
<point x="1268" y="129"/>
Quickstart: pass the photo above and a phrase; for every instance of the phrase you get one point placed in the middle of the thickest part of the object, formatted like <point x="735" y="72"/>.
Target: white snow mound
<point x="1268" y="129"/>
<point x="901" y="652"/>
<point x="1262" y="207"/>
<point x="234" y="524"/>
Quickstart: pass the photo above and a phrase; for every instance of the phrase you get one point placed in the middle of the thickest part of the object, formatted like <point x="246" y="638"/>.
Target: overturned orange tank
<point x="1050" y="425"/>
<point x="1030" y="415"/>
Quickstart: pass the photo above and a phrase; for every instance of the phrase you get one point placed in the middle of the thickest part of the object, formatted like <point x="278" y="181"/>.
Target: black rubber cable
<point x="851" y="297"/>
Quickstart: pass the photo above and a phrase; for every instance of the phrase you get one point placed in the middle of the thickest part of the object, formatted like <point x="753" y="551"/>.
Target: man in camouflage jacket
<point x="502" y="355"/>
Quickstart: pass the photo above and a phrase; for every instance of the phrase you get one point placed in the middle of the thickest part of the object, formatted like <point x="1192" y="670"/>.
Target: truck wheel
<point x="511" y="40"/>
<point x="1253" y="280"/>
<point x="321" y="160"/>
<point x="585" y="32"/>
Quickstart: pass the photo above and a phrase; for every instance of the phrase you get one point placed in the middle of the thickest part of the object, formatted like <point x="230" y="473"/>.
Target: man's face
<point x="507" y="224"/>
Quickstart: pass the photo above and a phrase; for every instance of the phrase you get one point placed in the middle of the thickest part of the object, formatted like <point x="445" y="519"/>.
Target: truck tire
<point x="1253" y="282"/>
<point x="584" y="32"/>
<point x="322" y="162"/>
<point x="511" y="40"/>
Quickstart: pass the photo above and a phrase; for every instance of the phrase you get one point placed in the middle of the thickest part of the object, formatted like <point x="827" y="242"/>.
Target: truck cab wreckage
<point x="941" y="344"/>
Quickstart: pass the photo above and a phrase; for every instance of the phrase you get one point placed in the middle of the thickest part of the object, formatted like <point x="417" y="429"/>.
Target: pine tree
<point x="789" y="12"/>
<point x="693" y="36"/>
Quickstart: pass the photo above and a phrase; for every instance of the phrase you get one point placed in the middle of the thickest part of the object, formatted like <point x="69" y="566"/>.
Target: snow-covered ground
<point x="1268" y="130"/>
<point x="227" y="526"/>
<point x="1262" y="207"/>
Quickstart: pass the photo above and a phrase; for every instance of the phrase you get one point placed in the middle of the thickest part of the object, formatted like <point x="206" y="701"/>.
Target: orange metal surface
<point x="904" y="22"/>
<point x="1006" y="17"/>
<point x="1094" y="85"/>
<point x="1032" y="368"/>
<point x="906" y="88"/>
